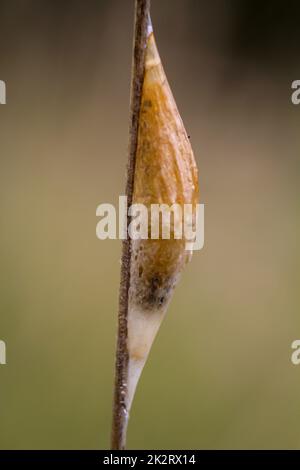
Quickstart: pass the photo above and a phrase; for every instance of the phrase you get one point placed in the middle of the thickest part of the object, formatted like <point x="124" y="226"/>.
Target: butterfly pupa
<point x="165" y="173"/>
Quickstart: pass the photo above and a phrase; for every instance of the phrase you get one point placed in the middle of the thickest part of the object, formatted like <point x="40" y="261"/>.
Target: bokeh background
<point x="219" y="375"/>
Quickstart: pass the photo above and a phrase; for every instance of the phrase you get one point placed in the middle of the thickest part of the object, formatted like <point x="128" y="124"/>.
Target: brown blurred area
<point x="219" y="375"/>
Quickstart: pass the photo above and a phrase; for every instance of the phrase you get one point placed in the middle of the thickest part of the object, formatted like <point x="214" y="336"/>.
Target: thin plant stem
<point x="120" y="414"/>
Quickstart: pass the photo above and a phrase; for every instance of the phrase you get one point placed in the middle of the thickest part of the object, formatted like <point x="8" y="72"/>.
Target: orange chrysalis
<point x="165" y="173"/>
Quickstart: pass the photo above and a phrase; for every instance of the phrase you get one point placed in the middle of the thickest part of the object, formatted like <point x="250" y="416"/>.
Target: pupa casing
<point x="165" y="173"/>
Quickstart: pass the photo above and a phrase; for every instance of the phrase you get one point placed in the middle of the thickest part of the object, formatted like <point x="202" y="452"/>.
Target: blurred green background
<point x="219" y="375"/>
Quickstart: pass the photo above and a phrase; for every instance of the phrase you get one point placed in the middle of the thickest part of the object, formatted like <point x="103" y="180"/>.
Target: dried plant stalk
<point x="120" y="414"/>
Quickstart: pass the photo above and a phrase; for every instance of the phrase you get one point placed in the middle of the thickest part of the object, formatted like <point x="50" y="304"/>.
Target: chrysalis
<point x="165" y="173"/>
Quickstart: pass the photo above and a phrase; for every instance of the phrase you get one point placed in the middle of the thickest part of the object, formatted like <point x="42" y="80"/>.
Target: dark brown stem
<point x="120" y="418"/>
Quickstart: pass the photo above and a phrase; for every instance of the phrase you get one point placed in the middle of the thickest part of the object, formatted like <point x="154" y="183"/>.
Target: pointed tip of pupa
<point x="149" y="26"/>
<point x="142" y="329"/>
